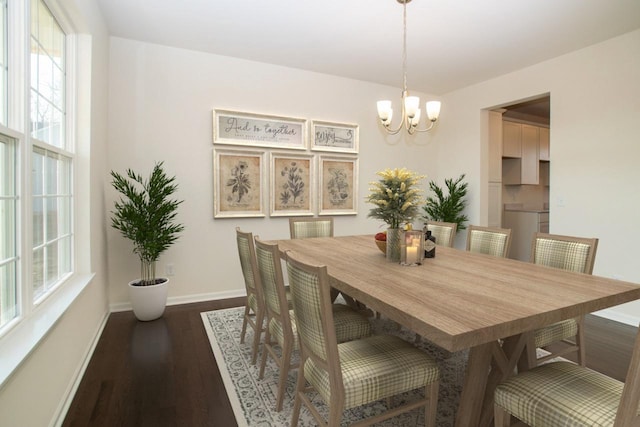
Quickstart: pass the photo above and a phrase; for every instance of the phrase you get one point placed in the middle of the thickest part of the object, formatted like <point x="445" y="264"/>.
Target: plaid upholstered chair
<point x="304" y="227"/>
<point x="444" y="232"/>
<point x="281" y="321"/>
<point x="565" y="394"/>
<point x="254" y="311"/>
<point x="567" y="253"/>
<point x="357" y="372"/>
<point x="489" y="240"/>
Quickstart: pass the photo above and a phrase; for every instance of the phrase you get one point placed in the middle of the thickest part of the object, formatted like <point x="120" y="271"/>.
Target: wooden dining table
<point x="462" y="300"/>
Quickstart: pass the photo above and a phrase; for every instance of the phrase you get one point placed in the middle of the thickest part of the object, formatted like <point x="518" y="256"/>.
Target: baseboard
<point x="77" y="378"/>
<point x="618" y="317"/>
<point x="187" y="299"/>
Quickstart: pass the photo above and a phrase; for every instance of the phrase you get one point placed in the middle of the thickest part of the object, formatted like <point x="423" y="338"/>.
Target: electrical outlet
<point x="169" y="270"/>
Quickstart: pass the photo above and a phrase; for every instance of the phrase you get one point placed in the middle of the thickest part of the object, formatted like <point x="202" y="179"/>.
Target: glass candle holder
<point x="412" y="248"/>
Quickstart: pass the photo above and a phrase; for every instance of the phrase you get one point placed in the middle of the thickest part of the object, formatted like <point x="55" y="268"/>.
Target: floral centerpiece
<point x="396" y="201"/>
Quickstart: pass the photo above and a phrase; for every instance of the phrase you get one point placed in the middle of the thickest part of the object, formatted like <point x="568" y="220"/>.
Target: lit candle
<point x="412" y="254"/>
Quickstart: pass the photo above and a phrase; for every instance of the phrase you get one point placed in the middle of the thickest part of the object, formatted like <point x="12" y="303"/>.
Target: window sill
<point x="18" y="343"/>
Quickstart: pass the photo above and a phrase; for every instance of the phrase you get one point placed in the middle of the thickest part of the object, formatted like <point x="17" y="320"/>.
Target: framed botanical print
<point x="338" y="187"/>
<point x="338" y="137"/>
<point x="238" y="183"/>
<point x="259" y="130"/>
<point x="292" y="185"/>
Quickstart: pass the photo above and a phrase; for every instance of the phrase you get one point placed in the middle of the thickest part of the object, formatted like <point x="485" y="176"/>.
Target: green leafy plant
<point x="145" y="214"/>
<point x="447" y="208"/>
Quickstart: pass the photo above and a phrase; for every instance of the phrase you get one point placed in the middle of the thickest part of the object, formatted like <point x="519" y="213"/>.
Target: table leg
<point x="489" y="364"/>
<point x="475" y="382"/>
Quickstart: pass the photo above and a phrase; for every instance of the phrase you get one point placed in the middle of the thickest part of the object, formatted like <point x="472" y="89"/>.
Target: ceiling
<point x="451" y="44"/>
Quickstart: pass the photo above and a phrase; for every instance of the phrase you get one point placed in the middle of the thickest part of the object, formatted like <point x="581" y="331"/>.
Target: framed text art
<point x="291" y="185"/>
<point x="334" y="137"/>
<point x="338" y="185"/>
<point x="238" y="183"/>
<point x="258" y="130"/>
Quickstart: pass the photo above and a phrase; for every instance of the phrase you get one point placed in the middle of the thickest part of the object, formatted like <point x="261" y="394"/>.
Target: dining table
<point x="462" y="300"/>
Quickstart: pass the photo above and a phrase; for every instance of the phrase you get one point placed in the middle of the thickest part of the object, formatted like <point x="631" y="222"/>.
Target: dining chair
<point x="353" y="373"/>
<point x="281" y="328"/>
<point x="489" y="240"/>
<point x="304" y="227"/>
<point x="564" y="394"/>
<point x="567" y="253"/>
<point x="254" y="310"/>
<point x="444" y="232"/>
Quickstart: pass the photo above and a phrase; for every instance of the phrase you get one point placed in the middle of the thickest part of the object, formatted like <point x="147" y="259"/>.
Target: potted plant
<point x="396" y="201"/>
<point x="447" y="208"/>
<point x="146" y="215"/>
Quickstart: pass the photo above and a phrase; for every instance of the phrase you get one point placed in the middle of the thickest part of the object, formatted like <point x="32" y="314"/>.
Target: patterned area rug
<point x="253" y="400"/>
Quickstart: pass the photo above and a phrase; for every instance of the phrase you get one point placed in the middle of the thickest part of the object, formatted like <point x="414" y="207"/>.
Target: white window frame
<point x="25" y="332"/>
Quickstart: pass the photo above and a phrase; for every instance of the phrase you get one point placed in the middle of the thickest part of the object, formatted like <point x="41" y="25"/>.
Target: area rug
<point x="253" y="400"/>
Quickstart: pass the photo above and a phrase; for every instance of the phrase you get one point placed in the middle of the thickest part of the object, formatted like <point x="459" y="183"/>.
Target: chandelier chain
<point x="404" y="47"/>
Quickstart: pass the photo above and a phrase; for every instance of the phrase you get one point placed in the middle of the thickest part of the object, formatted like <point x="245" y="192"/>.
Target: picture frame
<point x="336" y="137"/>
<point x="338" y="185"/>
<point x="238" y="182"/>
<point x="259" y="130"/>
<point x="292" y="185"/>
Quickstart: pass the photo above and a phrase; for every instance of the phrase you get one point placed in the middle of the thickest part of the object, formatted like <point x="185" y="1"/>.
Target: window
<point x="47" y="65"/>
<point x="3" y="62"/>
<point x="8" y="232"/>
<point x="50" y="161"/>
<point x="51" y="201"/>
<point x="45" y="107"/>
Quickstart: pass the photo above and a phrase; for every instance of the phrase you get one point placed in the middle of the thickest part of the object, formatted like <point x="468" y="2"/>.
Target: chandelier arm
<point x="433" y="122"/>
<point x="402" y="119"/>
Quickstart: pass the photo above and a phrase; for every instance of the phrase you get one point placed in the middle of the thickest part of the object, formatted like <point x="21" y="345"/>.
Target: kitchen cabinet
<point x="511" y="140"/>
<point x="523" y="223"/>
<point x="495" y="146"/>
<point x="525" y="169"/>
<point x="543" y="144"/>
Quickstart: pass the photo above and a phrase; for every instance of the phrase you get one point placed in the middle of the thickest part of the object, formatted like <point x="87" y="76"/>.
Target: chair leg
<point x="297" y="402"/>
<point x="285" y="363"/>
<point x="256" y="337"/>
<point x="432" y="408"/>
<point x="336" y="409"/>
<point x="580" y="342"/>
<point x="263" y="359"/>
<point x="244" y="323"/>
<point x="501" y="417"/>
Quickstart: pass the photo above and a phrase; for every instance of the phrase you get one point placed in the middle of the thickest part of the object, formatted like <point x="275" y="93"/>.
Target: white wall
<point x="161" y="102"/>
<point x="595" y="111"/>
<point x="36" y="393"/>
<point x="160" y="109"/>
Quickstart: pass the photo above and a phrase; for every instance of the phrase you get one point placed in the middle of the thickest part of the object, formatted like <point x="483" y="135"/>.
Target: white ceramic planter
<point x="148" y="301"/>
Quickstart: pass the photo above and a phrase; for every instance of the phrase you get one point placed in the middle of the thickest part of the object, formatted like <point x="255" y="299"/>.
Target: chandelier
<point x="410" y="104"/>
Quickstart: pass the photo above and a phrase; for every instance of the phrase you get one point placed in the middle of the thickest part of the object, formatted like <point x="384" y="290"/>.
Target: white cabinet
<point x="544" y="144"/>
<point x="511" y="140"/>
<point x="523" y="169"/>
<point x="495" y="146"/>
<point x="523" y="224"/>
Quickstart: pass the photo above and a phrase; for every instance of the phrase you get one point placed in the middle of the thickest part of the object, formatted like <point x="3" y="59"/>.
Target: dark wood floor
<point x="163" y="373"/>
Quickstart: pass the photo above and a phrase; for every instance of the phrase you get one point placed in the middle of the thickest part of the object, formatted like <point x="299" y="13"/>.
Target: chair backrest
<point x="310" y="293"/>
<point x="564" y="252"/>
<point x="272" y="280"/>
<point x="444" y="232"/>
<point x="629" y="409"/>
<point x="489" y="240"/>
<point x="247" y="254"/>
<point x="304" y="227"/>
